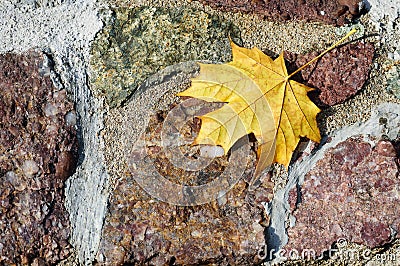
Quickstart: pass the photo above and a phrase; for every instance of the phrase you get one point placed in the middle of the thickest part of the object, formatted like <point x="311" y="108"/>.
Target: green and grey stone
<point x="138" y="42"/>
<point x="393" y="80"/>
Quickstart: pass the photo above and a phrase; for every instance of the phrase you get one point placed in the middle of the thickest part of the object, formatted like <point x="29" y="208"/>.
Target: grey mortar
<point x="64" y="32"/>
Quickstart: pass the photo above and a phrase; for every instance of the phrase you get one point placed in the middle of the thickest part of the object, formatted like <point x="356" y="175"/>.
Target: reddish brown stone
<point x="37" y="153"/>
<point x="375" y="233"/>
<point x="332" y="12"/>
<point x="293" y="198"/>
<point x="228" y="231"/>
<point x="66" y="164"/>
<point x="352" y="5"/>
<point x="139" y="229"/>
<point x="386" y="148"/>
<point x="351" y="193"/>
<point x="339" y="74"/>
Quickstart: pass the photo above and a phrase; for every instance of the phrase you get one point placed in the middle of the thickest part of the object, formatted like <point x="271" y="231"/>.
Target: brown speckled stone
<point x="142" y="230"/>
<point x="37" y="153"/>
<point x="339" y="74"/>
<point x="351" y="193"/>
<point x="139" y="229"/>
<point x="329" y="11"/>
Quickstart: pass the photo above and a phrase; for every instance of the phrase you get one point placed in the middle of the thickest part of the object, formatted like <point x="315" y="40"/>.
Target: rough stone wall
<point x="79" y="80"/>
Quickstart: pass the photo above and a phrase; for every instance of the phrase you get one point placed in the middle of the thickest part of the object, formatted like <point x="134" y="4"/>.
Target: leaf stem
<point x="324" y="52"/>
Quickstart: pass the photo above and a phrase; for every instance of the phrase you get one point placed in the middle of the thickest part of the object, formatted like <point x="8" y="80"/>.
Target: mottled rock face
<point x="38" y="152"/>
<point x="339" y="74"/>
<point x="139" y="42"/>
<point x="333" y="12"/>
<point x="393" y="79"/>
<point x="352" y="193"/>
<point x="140" y="229"/>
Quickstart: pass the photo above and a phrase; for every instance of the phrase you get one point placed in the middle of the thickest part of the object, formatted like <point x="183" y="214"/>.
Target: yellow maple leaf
<point x="260" y="99"/>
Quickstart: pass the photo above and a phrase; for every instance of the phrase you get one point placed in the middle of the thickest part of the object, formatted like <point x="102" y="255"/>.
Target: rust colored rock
<point x="139" y="229"/>
<point x="386" y="148"/>
<point x="349" y="194"/>
<point x="66" y="164"/>
<point x="339" y="74"/>
<point x="227" y="231"/>
<point x="292" y="199"/>
<point x="37" y="153"/>
<point x="352" y="5"/>
<point x="335" y="12"/>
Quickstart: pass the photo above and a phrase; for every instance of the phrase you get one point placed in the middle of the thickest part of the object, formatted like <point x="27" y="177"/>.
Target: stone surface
<point x="66" y="32"/>
<point x="65" y="29"/>
<point x="333" y="12"/>
<point x="339" y="74"/>
<point x="382" y="125"/>
<point x="227" y="231"/>
<point x="38" y="152"/>
<point x="138" y="42"/>
<point x="140" y="227"/>
<point x="393" y="78"/>
<point x="351" y="193"/>
<point x="141" y="230"/>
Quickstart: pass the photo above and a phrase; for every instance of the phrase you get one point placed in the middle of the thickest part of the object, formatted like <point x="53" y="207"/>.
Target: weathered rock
<point x="142" y="229"/>
<point x="38" y="151"/>
<point x="351" y="193"/>
<point x="339" y="74"/>
<point x="332" y="12"/>
<point x="393" y="78"/>
<point x="139" y="42"/>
